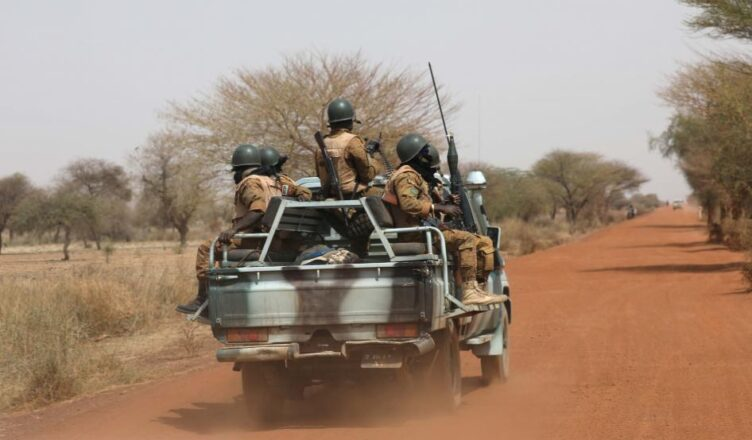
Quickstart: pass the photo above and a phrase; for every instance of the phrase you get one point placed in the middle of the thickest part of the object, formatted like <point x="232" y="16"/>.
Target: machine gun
<point x="373" y="147"/>
<point x="467" y="221"/>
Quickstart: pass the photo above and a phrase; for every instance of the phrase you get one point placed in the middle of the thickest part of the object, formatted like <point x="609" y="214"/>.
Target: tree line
<point x="710" y="132"/>
<point x="177" y="178"/>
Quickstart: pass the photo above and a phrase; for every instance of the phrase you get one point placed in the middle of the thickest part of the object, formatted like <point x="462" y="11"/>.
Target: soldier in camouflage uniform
<point x="353" y="165"/>
<point x="409" y="196"/>
<point x="347" y="151"/>
<point x="258" y="178"/>
<point x="439" y="193"/>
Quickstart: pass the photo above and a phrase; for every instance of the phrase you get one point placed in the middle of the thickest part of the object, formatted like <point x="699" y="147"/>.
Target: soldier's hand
<point x="226" y="236"/>
<point x="456" y="199"/>
<point x="451" y="210"/>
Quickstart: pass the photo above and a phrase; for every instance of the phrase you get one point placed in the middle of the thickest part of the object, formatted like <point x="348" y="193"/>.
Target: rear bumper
<point x="284" y="352"/>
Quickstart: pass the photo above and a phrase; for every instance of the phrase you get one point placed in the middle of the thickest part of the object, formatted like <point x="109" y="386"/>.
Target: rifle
<point x="333" y="177"/>
<point x="466" y="222"/>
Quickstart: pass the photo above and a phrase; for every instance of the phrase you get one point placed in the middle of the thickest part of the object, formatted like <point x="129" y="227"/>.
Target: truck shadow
<point x="323" y="407"/>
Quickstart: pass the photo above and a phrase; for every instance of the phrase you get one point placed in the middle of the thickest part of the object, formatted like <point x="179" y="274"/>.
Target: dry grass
<point x="64" y="326"/>
<point x="521" y="238"/>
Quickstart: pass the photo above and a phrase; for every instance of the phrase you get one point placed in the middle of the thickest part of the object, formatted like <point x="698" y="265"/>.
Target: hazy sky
<point x="88" y="78"/>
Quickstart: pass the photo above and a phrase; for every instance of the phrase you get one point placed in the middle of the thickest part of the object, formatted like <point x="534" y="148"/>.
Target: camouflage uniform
<point x="253" y="193"/>
<point x="410" y="193"/>
<point x="351" y="161"/>
<point x="485" y="245"/>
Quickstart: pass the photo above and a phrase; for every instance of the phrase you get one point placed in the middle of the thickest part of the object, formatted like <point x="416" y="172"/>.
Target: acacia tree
<point x="176" y="178"/>
<point x="285" y="105"/>
<point x="105" y="187"/>
<point x="581" y="180"/>
<point x="13" y="189"/>
<point x="58" y="208"/>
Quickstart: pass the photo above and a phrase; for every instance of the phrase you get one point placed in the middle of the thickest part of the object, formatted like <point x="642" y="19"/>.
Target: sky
<point x="83" y="79"/>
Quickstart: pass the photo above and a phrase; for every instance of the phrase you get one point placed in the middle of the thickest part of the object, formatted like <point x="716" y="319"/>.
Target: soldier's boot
<point x="193" y="306"/>
<point x="472" y="295"/>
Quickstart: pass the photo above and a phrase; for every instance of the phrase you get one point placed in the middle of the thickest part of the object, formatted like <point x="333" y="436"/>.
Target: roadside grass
<point x="521" y="238"/>
<point x="52" y="323"/>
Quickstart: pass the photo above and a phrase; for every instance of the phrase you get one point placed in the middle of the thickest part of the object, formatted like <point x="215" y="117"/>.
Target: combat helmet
<point x="340" y="110"/>
<point x="433" y="153"/>
<point x="246" y="155"/>
<point x="269" y="156"/>
<point x="410" y="146"/>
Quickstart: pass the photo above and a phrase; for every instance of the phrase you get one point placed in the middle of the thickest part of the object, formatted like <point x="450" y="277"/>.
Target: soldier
<point x="348" y="152"/>
<point x="409" y="195"/>
<point x="253" y="168"/>
<point x="439" y="193"/>
<point x="271" y="165"/>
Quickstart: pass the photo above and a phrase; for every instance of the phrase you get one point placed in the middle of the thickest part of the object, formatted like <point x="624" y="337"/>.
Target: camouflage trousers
<point x="475" y="253"/>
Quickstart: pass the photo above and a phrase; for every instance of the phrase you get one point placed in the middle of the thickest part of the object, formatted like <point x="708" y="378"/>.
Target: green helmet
<point x="246" y="155"/>
<point x="409" y="146"/>
<point x="433" y="153"/>
<point x="269" y="156"/>
<point x="340" y="110"/>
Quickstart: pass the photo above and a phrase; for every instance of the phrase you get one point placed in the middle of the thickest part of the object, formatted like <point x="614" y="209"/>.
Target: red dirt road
<point x="639" y="331"/>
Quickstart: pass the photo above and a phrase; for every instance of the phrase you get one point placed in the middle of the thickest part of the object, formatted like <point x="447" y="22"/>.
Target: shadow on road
<point x="681" y="268"/>
<point x="670" y="226"/>
<point x="680" y="245"/>
<point x="323" y="407"/>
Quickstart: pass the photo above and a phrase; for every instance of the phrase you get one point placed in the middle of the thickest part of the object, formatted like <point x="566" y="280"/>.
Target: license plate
<point x="381" y="359"/>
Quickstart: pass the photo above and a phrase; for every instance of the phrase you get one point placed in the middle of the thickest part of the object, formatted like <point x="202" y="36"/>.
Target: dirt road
<point x="639" y="331"/>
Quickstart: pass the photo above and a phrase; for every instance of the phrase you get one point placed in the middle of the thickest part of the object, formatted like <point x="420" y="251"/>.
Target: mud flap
<point x="470" y="310"/>
<point x="493" y="347"/>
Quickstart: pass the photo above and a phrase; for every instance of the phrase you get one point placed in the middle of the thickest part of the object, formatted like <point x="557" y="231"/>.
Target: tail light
<point x="409" y="330"/>
<point x="247" y="334"/>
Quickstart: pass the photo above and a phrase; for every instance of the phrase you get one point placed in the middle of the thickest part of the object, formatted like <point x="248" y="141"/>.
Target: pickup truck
<point x="286" y="325"/>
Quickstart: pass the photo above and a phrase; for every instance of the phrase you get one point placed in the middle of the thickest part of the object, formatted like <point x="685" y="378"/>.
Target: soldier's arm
<point x="408" y="192"/>
<point x="249" y="195"/>
<point x="295" y="190"/>
<point x="360" y="160"/>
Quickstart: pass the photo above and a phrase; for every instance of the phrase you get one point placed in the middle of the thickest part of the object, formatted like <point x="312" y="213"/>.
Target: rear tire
<point x="264" y="392"/>
<point x="495" y="369"/>
<point x="446" y="374"/>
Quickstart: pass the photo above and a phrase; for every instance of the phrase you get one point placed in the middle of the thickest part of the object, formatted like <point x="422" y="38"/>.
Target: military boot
<point x="472" y="294"/>
<point x="193" y="306"/>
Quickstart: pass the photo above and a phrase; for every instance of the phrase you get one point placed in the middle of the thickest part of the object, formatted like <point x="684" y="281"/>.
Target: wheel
<point x="264" y="392"/>
<point x="496" y="368"/>
<point x="446" y="374"/>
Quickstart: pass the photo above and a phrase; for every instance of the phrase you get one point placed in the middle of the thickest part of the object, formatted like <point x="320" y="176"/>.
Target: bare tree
<point x="176" y="178"/>
<point x="13" y="189"/>
<point x="104" y="185"/>
<point x="285" y="105"/>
